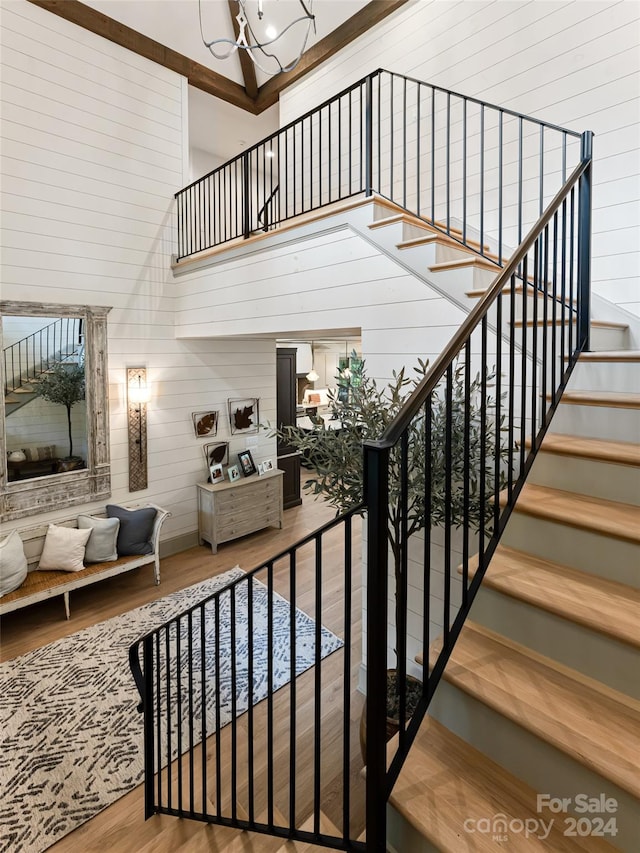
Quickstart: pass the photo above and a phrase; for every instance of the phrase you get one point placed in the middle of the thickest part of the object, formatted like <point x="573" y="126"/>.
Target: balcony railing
<point x="457" y="162"/>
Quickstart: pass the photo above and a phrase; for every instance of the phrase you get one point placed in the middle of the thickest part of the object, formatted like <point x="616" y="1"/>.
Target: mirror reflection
<point x="45" y="396"/>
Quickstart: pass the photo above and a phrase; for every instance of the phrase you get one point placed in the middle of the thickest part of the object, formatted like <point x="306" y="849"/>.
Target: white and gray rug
<point x="71" y="734"/>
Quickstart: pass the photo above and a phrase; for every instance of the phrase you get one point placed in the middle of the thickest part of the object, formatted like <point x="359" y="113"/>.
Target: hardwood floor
<point x="121" y="827"/>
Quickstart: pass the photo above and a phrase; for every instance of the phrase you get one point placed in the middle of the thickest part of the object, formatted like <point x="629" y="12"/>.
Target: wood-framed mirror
<point x="54" y="411"/>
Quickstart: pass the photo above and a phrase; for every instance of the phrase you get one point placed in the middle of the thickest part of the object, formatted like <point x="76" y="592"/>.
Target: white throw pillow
<point x="64" y="549"/>
<point x="101" y="547"/>
<point x="13" y="563"/>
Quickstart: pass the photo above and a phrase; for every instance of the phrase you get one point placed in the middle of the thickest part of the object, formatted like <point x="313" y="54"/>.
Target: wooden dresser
<point x="229" y="510"/>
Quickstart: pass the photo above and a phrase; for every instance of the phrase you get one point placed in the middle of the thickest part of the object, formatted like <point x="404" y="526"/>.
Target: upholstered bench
<point x="41" y="584"/>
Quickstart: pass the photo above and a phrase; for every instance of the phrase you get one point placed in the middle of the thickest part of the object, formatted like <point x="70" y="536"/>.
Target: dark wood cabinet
<point x="288" y="458"/>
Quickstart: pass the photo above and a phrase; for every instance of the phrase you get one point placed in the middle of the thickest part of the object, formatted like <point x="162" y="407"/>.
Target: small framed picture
<point x="234" y="473"/>
<point x="246" y="463"/>
<point x="217" y="473"/>
<point x="265" y="467"/>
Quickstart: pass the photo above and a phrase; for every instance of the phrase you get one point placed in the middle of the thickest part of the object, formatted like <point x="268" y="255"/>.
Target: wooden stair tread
<point x="598" y="449"/>
<point x="615" y="399"/>
<point x="445" y="782"/>
<point x="477" y="261"/>
<point x="596" y="324"/>
<point x="618" y="520"/>
<point x="594" y="725"/>
<point x="607" y="607"/>
<point x="506" y="291"/>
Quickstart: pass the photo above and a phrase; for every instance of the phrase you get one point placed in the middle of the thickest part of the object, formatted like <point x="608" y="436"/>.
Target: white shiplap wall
<point x="93" y="149"/>
<point x="576" y="64"/>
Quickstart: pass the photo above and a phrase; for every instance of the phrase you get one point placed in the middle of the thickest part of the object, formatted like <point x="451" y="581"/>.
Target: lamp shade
<point x="312" y="375"/>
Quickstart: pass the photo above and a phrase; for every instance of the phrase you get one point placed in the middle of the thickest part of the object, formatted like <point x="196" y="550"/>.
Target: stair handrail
<point x="381" y="775"/>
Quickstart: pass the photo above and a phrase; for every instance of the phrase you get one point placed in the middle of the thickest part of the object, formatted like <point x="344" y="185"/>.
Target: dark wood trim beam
<point x="246" y="63"/>
<point x="356" y="25"/>
<point x="197" y="74"/>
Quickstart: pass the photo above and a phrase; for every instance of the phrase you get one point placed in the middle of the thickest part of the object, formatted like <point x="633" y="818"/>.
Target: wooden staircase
<point x="542" y="693"/>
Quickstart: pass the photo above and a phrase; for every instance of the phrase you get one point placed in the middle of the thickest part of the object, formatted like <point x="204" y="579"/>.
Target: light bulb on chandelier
<point x="247" y="39"/>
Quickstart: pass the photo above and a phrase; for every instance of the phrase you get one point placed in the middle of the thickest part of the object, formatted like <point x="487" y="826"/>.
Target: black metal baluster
<point x="234" y="706"/>
<point x="542" y="249"/>
<point x="346" y="680"/>
<point x="190" y="706"/>
<point x="500" y="182"/>
<point x="572" y="237"/>
<point x="498" y="417"/>
<point x="402" y="588"/>
<point x="404" y="142"/>
<point x="250" y="721"/>
<point x="448" y="463"/>
<point x="310" y="163"/>
<point x="418" y="200"/>
<point x="350" y="181"/>
<point x="482" y="179"/>
<point x="169" y="741"/>
<point x="158" y="717"/>
<point x="534" y="349"/>
<point x="292" y="691"/>
<point x="512" y="368"/>
<point x="147" y="654"/>
<point x="466" y="479"/>
<point x="520" y="181"/>
<point x="270" y="751"/>
<point x="204" y="702"/>
<point x="554" y="286"/>
<point x="179" y="709"/>
<point x="483" y="445"/>
<point x="391" y="143"/>
<point x="541" y="199"/>
<point x="217" y="712"/>
<point x="448" y="169"/>
<point x="428" y="524"/>
<point x="464" y="170"/>
<point x="523" y="403"/>
<point x="433" y="155"/>
<point x="317" y="716"/>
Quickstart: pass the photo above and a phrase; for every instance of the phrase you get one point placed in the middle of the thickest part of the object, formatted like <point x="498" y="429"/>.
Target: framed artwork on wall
<point x="205" y="423"/>
<point x="244" y="415"/>
<point x="216" y="453"/>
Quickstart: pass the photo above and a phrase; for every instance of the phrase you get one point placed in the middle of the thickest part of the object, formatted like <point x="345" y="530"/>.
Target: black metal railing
<point x="478" y="172"/>
<point x="453" y="463"/>
<point x="30" y="357"/>
<point x="247" y="697"/>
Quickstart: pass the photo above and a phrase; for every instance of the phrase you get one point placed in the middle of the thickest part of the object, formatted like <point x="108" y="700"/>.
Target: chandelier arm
<point x="243" y="42"/>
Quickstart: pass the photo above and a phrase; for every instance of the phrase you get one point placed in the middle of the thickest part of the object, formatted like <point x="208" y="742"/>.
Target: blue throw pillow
<point x="136" y="529"/>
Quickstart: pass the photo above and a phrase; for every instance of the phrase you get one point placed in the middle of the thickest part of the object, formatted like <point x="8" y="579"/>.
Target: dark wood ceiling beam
<point x="246" y="63"/>
<point x="197" y="74"/>
<point x="355" y="26"/>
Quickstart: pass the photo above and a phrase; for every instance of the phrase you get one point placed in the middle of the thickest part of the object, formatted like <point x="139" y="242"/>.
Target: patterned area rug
<point x="71" y="734"/>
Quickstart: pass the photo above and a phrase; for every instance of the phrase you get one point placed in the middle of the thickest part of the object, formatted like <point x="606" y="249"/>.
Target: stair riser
<point x="603" y="556"/>
<point x="597" y="422"/>
<point x="606" y="376"/>
<point x="590" y="652"/>
<point x="587" y="477"/>
<point x="547" y="769"/>
<point x="404" y="838"/>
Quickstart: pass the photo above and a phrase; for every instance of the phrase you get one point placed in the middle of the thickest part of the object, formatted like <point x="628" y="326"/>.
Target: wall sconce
<point x="137" y="399"/>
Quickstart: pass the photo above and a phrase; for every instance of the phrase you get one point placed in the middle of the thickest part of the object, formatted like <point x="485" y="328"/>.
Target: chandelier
<point x="249" y="40"/>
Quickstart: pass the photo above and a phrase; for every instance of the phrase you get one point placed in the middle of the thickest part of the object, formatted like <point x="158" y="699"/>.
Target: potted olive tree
<point x="337" y="461"/>
<point x="64" y="384"/>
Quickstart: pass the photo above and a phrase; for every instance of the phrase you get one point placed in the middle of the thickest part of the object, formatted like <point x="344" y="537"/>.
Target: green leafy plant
<point x="63" y="384"/>
<point x="336" y="456"/>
